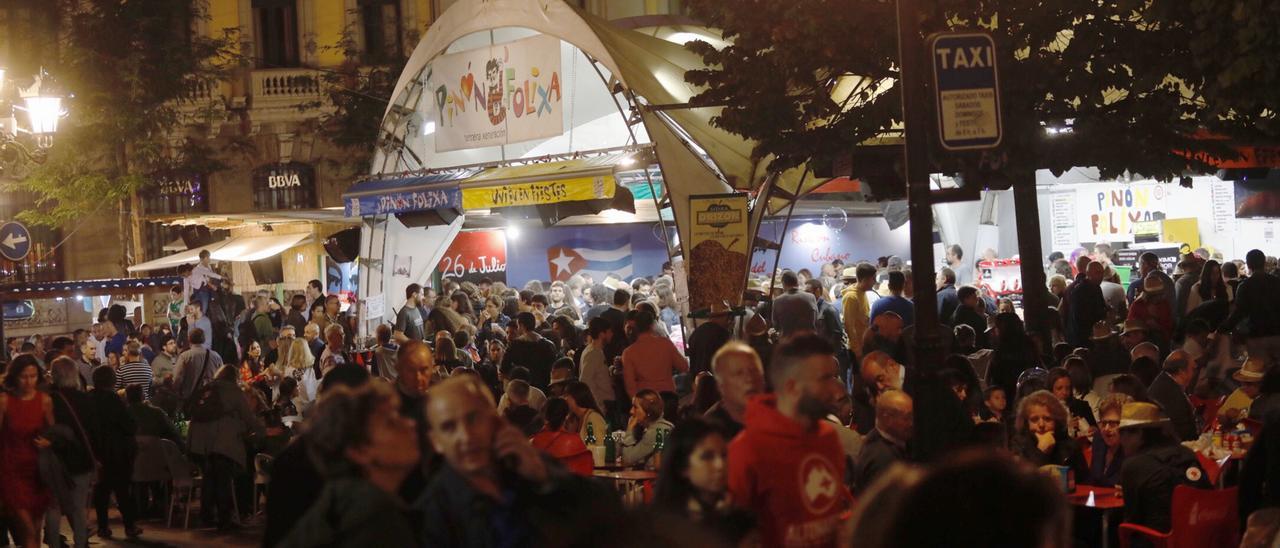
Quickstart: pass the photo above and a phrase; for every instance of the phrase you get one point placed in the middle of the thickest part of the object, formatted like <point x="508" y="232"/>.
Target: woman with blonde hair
<point x="1040" y="434"/>
<point x="301" y="365"/>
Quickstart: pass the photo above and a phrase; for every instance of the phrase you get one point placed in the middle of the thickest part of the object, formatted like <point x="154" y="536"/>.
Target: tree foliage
<point x="128" y="67"/>
<point x="1139" y="82"/>
<point x="355" y="98"/>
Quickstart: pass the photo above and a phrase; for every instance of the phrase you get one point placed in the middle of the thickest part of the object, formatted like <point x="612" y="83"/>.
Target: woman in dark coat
<point x="1041" y="434"/>
<point x="1014" y="353"/>
<point x="115" y="447"/>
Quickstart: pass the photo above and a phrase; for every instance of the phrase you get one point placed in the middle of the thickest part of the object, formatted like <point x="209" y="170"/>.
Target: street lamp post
<point x="42" y="109"/>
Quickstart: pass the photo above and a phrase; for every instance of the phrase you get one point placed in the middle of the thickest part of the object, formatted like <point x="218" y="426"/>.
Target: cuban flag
<point x="598" y="258"/>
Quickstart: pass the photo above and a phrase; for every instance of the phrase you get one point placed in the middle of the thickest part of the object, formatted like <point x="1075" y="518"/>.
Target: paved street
<point x="155" y="534"/>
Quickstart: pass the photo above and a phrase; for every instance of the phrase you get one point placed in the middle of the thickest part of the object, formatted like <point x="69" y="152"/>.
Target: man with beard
<point x="786" y="466"/>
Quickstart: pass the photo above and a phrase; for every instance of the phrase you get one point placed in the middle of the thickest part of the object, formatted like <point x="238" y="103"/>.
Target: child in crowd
<point x="994" y="403"/>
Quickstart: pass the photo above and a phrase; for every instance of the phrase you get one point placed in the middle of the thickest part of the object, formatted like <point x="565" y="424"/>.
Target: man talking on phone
<point x="496" y="489"/>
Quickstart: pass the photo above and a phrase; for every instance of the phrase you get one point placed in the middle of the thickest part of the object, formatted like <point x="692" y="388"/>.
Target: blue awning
<point x="113" y="286"/>
<point x="407" y="193"/>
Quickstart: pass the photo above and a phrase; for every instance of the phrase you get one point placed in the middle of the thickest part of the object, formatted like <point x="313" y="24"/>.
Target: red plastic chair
<point x="1201" y="518"/>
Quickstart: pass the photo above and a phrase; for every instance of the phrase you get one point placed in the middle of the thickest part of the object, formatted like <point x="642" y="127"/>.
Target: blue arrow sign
<point x="15" y="241"/>
<point x="967" y="89"/>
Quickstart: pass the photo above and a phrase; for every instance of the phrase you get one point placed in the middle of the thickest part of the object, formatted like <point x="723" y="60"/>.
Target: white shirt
<point x="200" y="276"/>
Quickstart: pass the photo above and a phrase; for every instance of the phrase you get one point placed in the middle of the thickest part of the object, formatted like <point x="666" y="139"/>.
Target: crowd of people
<point x="801" y="417"/>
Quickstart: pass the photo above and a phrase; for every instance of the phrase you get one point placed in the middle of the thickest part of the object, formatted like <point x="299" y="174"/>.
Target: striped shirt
<point x="135" y="373"/>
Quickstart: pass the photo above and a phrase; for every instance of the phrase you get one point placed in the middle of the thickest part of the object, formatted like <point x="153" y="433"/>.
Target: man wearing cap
<point x="856" y="306"/>
<point x="1169" y="391"/>
<point x="1132" y="334"/>
<point x="1087" y="307"/>
<point x="1154" y="465"/>
<point x="1107" y="357"/>
<point x="1238" y="403"/>
<point x="1258" y="300"/>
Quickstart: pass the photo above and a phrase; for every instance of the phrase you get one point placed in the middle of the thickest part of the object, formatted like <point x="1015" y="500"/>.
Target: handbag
<point x="188" y="407"/>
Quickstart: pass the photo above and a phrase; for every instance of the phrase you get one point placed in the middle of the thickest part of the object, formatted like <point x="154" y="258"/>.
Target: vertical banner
<point x="497" y="95"/>
<point x="718" y="247"/>
<point x="475" y="255"/>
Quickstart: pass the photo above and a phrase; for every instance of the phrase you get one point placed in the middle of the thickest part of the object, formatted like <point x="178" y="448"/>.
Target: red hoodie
<point x="792" y="479"/>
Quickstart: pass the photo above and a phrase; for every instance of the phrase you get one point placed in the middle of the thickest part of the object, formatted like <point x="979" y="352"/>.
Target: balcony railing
<point x="280" y="87"/>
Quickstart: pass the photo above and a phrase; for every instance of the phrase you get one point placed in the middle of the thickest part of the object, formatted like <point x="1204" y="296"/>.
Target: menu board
<point x="1169" y="255"/>
<point x="475" y="255"/>
<point x="718" y="248"/>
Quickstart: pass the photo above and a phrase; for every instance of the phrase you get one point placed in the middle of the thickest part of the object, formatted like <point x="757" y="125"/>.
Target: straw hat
<point x="754" y="286"/>
<point x="850" y="273"/>
<point x="1141" y="415"/>
<point x="614" y="283"/>
<point x="1101" y="331"/>
<point x="1252" y="371"/>
<point x="720" y="308"/>
<point x="1153" y="284"/>
<point x="1131" y="326"/>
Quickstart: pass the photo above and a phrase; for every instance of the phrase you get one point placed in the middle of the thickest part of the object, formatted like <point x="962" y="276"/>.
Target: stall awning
<point x="407" y="193"/>
<point x="256" y="248"/>
<point x="115" y="286"/>
<point x="247" y="248"/>
<point x="580" y="179"/>
<point x="190" y="256"/>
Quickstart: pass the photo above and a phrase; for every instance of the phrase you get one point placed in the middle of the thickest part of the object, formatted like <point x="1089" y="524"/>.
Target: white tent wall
<point x="387" y="243"/>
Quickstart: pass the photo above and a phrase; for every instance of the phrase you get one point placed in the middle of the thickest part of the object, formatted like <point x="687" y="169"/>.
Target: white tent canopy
<point x="247" y="248"/>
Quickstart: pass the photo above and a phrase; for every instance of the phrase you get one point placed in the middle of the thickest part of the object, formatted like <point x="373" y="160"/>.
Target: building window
<point x="380" y="21"/>
<point x="276" y="33"/>
<point x="284" y="186"/>
<point x="44" y="262"/>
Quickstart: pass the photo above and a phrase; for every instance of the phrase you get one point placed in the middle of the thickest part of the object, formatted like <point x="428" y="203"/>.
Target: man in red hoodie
<point x="787" y="465"/>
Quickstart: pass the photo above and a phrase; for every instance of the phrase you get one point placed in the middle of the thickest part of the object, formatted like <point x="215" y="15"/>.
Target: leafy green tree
<point x="1135" y="81"/>
<point x="130" y="68"/>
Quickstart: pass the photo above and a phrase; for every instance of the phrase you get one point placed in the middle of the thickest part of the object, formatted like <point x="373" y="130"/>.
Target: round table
<point x="1105" y="499"/>
<point x="628" y="483"/>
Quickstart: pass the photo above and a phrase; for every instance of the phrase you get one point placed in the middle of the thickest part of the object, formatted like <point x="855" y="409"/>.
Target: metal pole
<point x="1027" y="213"/>
<point x="920" y="207"/>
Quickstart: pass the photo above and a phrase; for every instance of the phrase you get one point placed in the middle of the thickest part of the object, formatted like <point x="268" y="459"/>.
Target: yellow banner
<point x="541" y="192"/>
<point x="718" y="250"/>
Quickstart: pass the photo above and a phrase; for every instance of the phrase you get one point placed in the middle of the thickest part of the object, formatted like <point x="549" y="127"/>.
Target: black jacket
<point x="970" y="317"/>
<point x="1173" y="400"/>
<point x="1257" y="300"/>
<point x="948" y="302"/>
<point x="295" y="486"/>
<point x="566" y="511"/>
<point x="113" y="442"/>
<point x="1148" y="479"/>
<point x="1065" y="452"/>
<point x="1086" y="307"/>
<point x="876" y="455"/>
<point x="705" y="340"/>
<point x="536" y="356"/>
<point x="1260" y="476"/>
<point x="75" y="453"/>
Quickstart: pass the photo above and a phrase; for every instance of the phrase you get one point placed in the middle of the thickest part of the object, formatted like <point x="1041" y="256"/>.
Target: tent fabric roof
<point x="245" y="248"/>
